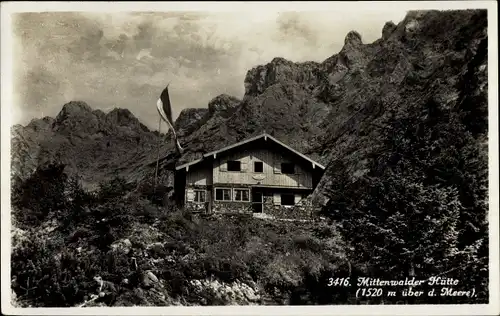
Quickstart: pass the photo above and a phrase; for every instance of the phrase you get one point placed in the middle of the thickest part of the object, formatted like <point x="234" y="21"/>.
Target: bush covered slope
<point x="159" y="256"/>
<point x="408" y="174"/>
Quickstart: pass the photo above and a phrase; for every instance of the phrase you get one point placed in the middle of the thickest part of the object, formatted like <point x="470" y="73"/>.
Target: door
<point x="257" y="202"/>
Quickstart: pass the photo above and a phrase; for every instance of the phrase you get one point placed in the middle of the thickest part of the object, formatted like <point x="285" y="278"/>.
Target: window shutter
<point x="223" y="166"/>
<point x="277" y="167"/>
<point x="276" y="198"/>
<point x="244" y="166"/>
<point x="297" y="198"/>
<point x="190" y="195"/>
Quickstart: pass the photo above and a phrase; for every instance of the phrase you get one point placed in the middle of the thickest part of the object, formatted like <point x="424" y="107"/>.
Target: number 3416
<point x="339" y="282"/>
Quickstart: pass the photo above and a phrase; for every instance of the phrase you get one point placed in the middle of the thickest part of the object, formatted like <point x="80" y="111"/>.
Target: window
<point x="287" y="199"/>
<point x="223" y="194"/>
<point x="233" y="166"/>
<point x="287" y="168"/>
<point x="199" y="196"/>
<point x="258" y="166"/>
<point x="242" y="195"/>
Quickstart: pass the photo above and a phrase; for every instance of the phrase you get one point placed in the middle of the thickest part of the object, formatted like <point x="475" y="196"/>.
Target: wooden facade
<point x="255" y="175"/>
<point x="271" y="174"/>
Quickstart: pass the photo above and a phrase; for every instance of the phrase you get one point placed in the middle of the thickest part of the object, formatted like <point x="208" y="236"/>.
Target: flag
<point x="165" y="110"/>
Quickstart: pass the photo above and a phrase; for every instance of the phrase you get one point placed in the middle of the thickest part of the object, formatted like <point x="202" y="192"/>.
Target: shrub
<point x="176" y="224"/>
<point x="117" y="267"/>
<point x="146" y="212"/>
<point x="225" y="269"/>
<point x="154" y="194"/>
<point x="307" y="243"/>
<point x="110" y="221"/>
<point x="157" y="251"/>
<point x="41" y="194"/>
<point x="114" y="188"/>
<point x="176" y="282"/>
<point x="177" y="247"/>
<point x="421" y="205"/>
<point x="132" y="298"/>
<point x="256" y="254"/>
<point x="56" y="275"/>
<point x="282" y="274"/>
<point x="79" y="233"/>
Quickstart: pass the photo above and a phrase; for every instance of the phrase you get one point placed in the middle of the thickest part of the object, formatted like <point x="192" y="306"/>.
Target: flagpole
<point x="158" y="153"/>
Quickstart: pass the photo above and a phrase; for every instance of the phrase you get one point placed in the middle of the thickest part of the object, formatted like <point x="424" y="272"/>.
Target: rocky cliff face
<point x="327" y="110"/>
<point x="422" y="61"/>
<point x="91" y="143"/>
<point x="190" y="120"/>
<point x="280" y="70"/>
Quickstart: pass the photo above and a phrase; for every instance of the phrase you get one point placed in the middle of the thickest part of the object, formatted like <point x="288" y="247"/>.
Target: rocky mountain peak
<point x="388" y="29"/>
<point x="414" y="20"/>
<point x="354" y="54"/>
<point x="46" y="121"/>
<point x="222" y="104"/>
<point x="280" y="61"/>
<point x="187" y="114"/>
<point x="353" y="38"/>
<point x="279" y="71"/>
<point x="190" y="120"/>
<point x="74" y="108"/>
<point x="121" y="117"/>
<point x="76" y="117"/>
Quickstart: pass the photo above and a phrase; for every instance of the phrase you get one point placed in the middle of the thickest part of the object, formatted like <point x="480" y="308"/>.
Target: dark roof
<point x="246" y="141"/>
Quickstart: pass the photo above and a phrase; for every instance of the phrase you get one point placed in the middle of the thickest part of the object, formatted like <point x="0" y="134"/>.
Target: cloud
<point x="292" y="27"/>
<point x="126" y="59"/>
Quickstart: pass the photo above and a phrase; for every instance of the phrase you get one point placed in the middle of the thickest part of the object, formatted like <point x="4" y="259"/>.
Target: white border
<point x="345" y="7"/>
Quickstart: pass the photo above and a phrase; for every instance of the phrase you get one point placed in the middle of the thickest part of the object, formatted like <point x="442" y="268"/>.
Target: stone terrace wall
<point x="195" y="207"/>
<point x="232" y="207"/>
<point x="301" y="210"/>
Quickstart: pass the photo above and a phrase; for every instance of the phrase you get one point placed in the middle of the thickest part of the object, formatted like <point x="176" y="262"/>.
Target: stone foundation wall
<point x="196" y="207"/>
<point x="232" y="207"/>
<point x="301" y="210"/>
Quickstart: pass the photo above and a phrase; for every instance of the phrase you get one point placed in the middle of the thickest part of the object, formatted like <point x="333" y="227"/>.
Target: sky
<point x="125" y="59"/>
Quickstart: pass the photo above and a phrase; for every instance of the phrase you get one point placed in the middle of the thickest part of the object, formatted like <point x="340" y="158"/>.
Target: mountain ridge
<point x="313" y="106"/>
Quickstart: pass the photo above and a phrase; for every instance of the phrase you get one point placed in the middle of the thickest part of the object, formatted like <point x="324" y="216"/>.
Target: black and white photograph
<point x="250" y="158"/>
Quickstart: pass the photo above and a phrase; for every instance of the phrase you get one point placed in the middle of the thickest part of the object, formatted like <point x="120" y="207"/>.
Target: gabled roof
<point x="246" y="141"/>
